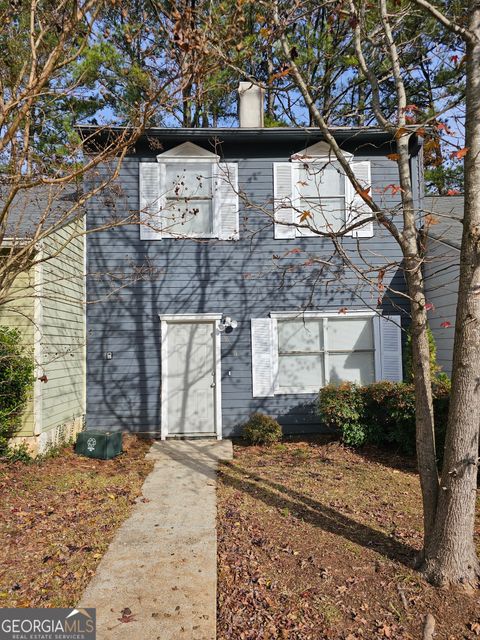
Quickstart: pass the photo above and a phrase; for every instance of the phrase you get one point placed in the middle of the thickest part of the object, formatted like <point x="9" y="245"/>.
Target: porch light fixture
<point x="227" y="324"/>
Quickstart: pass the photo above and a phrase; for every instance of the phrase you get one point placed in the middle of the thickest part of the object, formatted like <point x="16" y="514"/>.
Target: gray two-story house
<point x="239" y="305"/>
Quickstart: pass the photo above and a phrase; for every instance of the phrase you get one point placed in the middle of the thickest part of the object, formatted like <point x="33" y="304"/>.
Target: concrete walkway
<point x="162" y="562"/>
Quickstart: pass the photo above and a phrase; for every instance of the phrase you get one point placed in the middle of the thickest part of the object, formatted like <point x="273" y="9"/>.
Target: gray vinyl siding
<point x="441" y="285"/>
<point x="441" y="271"/>
<point x="63" y="326"/>
<point x="242" y="279"/>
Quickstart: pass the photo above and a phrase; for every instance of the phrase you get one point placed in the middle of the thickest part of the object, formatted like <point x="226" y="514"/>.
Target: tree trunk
<point x="449" y="507"/>
<point x="450" y="552"/>
<point x="424" y="418"/>
<point x="270" y="93"/>
<point x="186" y="104"/>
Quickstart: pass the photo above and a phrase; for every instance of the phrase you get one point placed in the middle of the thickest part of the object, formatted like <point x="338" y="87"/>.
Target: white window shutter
<point x="151" y="200"/>
<point x="357" y="209"/>
<point x="226" y="205"/>
<point x="390" y="347"/>
<point x="282" y="200"/>
<point x="264" y="356"/>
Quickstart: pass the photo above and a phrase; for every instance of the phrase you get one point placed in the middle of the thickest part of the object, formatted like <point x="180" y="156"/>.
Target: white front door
<point x="190" y="379"/>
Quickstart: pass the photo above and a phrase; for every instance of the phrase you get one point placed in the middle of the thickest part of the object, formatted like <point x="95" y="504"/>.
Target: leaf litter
<point x="59" y="515"/>
<point x="318" y="541"/>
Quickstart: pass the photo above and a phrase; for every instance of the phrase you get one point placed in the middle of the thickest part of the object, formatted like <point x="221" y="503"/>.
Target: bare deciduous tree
<point x="382" y="37"/>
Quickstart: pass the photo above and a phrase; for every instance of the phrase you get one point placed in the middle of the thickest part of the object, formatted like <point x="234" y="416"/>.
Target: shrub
<point x="341" y="408"/>
<point x="16" y="379"/>
<point x="408" y="356"/>
<point x="18" y="453"/>
<point x="390" y="414"/>
<point x="441" y="403"/>
<point x="262" y="429"/>
<point x="442" y="378"/>
<point x="390" y="410"/>
<point x="382" y="413"/>
<point x="354" y="434"/>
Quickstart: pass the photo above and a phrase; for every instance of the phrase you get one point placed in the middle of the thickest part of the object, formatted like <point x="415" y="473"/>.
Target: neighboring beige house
<point x="442" y="267"/>
<point x="48" y="307"/>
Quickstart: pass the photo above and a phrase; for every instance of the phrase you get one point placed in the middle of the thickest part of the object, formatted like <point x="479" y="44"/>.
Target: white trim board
<point x="187" y="152"/>
<point x="84" y="318"/>
<point x="318" y="151"/>
<point x="189" y="317"/>
<point x="165" y="320"/>
<point x="38" y="342"/>
<point x="287" y="315"/>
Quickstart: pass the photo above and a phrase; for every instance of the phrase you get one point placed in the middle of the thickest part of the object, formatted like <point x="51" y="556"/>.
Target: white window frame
<point x="297" y="169"/>
<point x="316" y="155"/>
<point x="314" y="315"/>
<point x="225" y="203"/>
<point x="287" y="196"/>
<point x="190" y="154"/>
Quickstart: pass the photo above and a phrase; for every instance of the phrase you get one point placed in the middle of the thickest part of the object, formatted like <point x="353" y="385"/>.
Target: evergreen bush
<point x="341" y="408"/>
<point x="262" y="429"/>
<point x="382" y="413"/>
<point x="16" y="380"/>
<point x="435" y="368"/>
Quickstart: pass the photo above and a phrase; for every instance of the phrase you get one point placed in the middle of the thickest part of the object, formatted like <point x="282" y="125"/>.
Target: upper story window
<point x="189" y="200"/>
<point x="313" y="194"/>
<point x="319" y="195"/>
<point x="188" y="193"/>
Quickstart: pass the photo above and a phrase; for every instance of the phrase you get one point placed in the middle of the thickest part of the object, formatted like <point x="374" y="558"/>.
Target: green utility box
<point x="99" y="444"/>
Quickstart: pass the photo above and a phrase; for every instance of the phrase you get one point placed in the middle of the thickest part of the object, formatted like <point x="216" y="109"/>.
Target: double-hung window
<point x="189" y="200"/>
<point x="351" y="350"/>
<point x="319" y="196"/>
<point x="313" y="195"/>
<point x="316" y="351"/>
<point x="187" y="192"/>
<point x="300" y="354"/>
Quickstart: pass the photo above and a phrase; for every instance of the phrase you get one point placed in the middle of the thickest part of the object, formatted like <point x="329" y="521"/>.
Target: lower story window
<point x="313" y="352"/>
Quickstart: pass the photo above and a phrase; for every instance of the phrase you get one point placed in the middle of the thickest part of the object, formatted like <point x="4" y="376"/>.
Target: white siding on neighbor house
<point x="63" y="327"/>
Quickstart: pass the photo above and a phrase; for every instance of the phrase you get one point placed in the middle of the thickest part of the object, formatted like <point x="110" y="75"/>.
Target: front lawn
<point x="58" y="517"/>
<point x="317" y="541"/>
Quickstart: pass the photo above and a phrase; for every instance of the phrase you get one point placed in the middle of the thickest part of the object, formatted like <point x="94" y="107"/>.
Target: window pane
<point x="349" y="334"/>
<point x="326" y="214"/>
<point x="189" y="181"/>
<point x="300" y="335"/>
<point x="194" y="218"/>
<point x="351" y="367"/>
<point x="301" y="373"/>
<point x="321" y="180"/>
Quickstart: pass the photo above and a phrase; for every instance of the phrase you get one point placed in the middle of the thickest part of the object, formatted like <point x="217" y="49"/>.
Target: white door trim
<point x="165" y="320"/>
